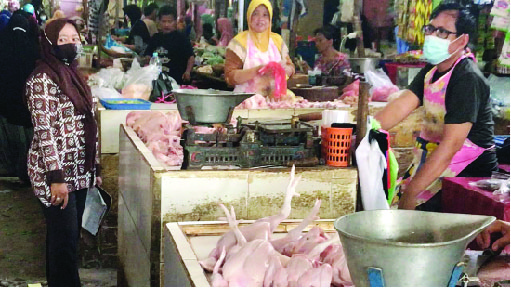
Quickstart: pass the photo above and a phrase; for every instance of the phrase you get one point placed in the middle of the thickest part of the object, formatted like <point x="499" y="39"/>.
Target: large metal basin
<point x="412" y="248"/>
<point x="207" y="106"/>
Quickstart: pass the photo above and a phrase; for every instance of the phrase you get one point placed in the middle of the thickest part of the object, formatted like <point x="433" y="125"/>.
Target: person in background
<point x="13" y="5"/>
<point x="5" y="16"/>
<point x="189" y="28"/>
<point x="224" y="27"/>
<point x="19" y="51"/>
<point x="208" y="35"/>
<point x="172" y="46"/>
<point x="150" y="16"/>
<point x="457" y="134"/>
<point x="63" y="159"/>
<point x="251" y="50"/>
<point x="484" y="238"/>
<point x="58" y="14"/>
<point x="139" y="36"/>
<point x="330" y="60"/>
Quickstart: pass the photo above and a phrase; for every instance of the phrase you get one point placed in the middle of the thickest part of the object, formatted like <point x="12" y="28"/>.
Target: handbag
<point x="162" y="88"/>
<point x="97" y="205"/>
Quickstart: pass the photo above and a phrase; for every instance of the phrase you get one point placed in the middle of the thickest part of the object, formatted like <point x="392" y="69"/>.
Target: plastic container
<point x="338" y="143"/>
<point x="120" y="104"/>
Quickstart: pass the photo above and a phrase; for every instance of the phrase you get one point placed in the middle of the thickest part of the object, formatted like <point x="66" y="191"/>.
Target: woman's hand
<point x="59" y="194"/>
<point x="99" y="181"/>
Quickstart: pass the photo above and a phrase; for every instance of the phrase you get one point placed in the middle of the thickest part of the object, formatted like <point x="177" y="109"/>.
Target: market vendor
<point x="139" y="36"/>
<point x="251" y="50"/>
<point x="457" y="134"/>
<point x="330" y="61"/>
<point x="172" y="46"/>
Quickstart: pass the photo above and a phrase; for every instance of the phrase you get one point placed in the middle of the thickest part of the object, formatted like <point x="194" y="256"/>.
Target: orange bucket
<point x="338" y="142"/>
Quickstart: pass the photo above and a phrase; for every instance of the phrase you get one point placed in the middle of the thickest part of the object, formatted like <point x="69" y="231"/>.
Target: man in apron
<point x="457" y="134"/>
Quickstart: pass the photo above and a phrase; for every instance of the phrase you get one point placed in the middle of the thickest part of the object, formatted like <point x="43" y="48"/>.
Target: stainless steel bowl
<point x="412" y="248"/>
<point x="360" y="65"/>
<point x="207" y="106"/>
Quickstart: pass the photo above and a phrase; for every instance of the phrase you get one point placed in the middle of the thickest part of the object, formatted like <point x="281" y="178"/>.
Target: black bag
<point x="162" y="87"/>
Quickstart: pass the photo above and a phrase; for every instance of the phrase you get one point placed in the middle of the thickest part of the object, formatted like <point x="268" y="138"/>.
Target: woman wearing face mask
<point x="457" y="134"/>
<point x="63" y="159"/>
<point x="251" y="50"/>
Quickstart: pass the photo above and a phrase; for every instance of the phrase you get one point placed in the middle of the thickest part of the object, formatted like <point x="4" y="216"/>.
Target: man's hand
<point x="407" y="201"/>
<point x="483" y="239"/>
<point x="99" y="181"/>
<point x="186" y="76"/>
<point x="59" y="194"/>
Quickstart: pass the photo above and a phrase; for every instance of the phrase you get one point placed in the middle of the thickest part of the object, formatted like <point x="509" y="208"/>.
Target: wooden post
<point x="358" y="28"/>
<point x="362" y="111"/>
<point x="293" y="29"/>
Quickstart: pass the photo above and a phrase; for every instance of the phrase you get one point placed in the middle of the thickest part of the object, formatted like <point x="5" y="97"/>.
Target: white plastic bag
<point x="139" y="81"/>
<point x="382" y="87"/>
<point x="109" y="77"/>
<point x="105" y="92"/>
<point x="371" y="164"/>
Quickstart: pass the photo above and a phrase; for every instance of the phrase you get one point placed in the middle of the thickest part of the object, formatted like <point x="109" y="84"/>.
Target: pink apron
<point x="431" y="135"/>
<point x="255" y="58"/>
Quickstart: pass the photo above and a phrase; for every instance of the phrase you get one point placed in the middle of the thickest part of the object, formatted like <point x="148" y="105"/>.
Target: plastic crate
<point x="114" y="104"/>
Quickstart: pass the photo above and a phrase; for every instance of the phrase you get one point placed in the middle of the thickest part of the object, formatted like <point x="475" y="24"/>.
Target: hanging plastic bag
<point x="279" y="75"/>
<point x="371" y="164"/>
<point x="382" y="87"/>
<point x="139" y="81"/>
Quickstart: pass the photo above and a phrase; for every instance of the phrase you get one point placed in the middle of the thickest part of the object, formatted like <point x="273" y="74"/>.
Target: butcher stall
<point x="158" y="196"/>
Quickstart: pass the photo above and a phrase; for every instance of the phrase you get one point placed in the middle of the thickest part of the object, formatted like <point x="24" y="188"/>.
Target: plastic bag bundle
<point x="279" y="74"/>
<point x="382" y="87"/>
<point x="139" y="81"/>
<point x="108" y="78"/>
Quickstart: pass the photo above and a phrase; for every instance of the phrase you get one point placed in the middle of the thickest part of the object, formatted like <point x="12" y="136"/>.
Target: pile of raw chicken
<point x="161" y="133"/>
<point x="251" y="257"/>
<point x="349" y="97"/>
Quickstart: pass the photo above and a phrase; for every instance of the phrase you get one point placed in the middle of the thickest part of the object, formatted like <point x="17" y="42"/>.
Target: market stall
<point x="159" y="196"/>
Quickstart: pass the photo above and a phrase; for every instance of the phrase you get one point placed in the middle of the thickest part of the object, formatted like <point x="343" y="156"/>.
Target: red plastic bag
<point x="279" y="74"/>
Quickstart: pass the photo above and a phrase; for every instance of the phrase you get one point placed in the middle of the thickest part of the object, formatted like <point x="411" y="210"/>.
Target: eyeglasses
<point x="441" y="32"/>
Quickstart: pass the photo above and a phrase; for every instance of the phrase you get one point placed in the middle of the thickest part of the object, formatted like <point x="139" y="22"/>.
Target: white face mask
<point x="436" y="50"/>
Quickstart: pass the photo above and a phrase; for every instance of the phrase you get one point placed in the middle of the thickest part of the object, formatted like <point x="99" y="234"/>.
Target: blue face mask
<point x="436" y="50"/>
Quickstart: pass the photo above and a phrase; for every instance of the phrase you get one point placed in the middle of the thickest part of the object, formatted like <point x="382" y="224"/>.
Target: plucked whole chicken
<point x="251" y="256"/>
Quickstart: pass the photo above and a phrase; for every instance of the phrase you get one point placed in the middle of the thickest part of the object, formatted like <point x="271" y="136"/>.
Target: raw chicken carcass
<point x="289" y="241"/>
<point x="334" y="255"/>
<point x="260" y="229"/>
<point x="246" y="263"/>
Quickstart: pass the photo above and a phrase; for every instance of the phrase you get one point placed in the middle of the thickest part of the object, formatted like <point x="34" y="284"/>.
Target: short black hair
<point x="465" y="22"/>
<point x="149" y="9"/>
<point x="330" y="32"/>
<point x="167" y="10"/>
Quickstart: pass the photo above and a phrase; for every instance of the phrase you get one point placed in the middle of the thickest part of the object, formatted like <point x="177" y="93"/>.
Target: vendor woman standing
<point x="251" y="50"/>
<point x="457" y="134"/>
